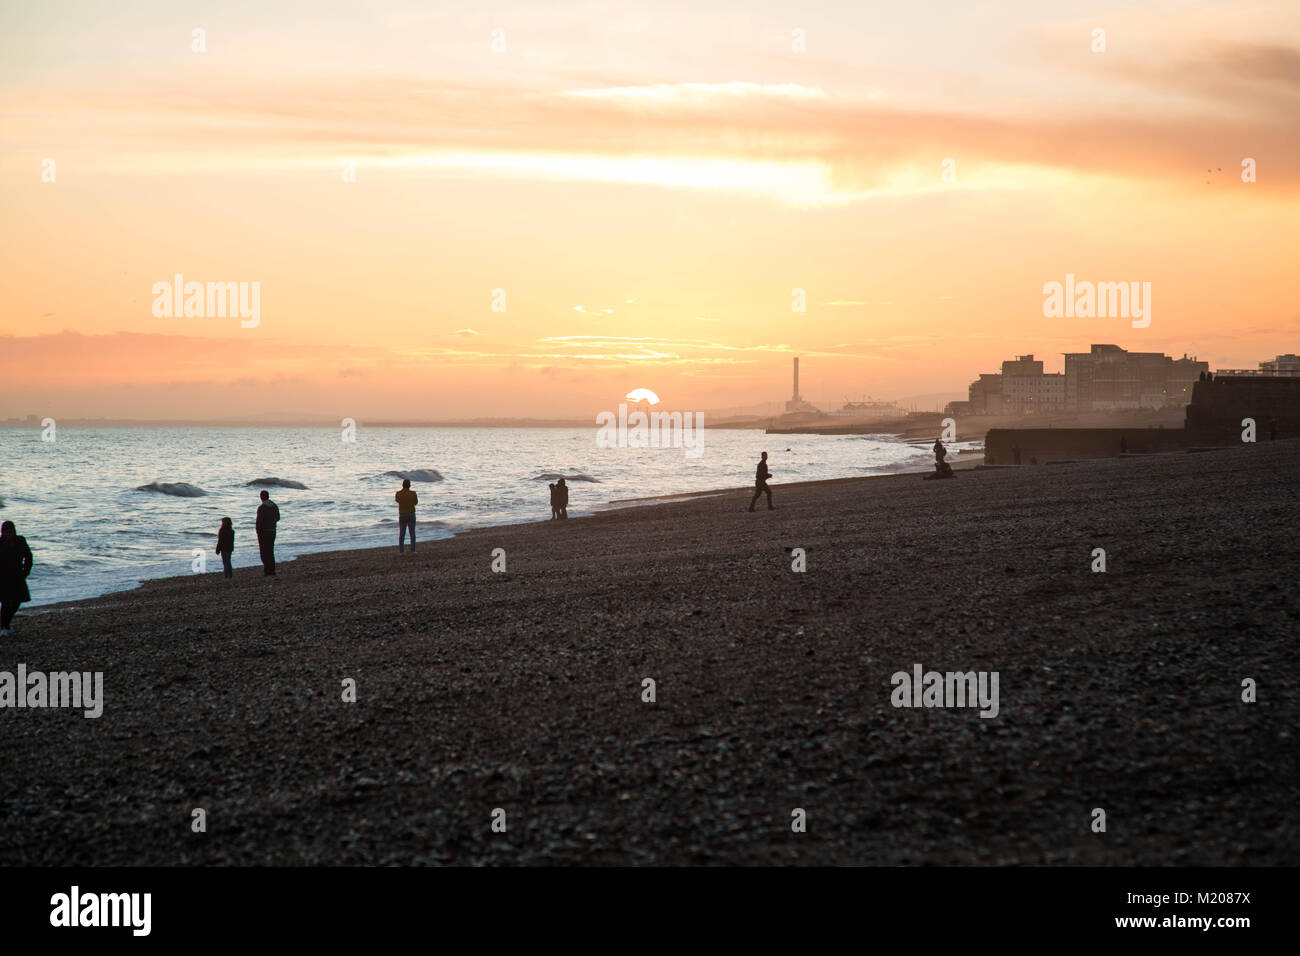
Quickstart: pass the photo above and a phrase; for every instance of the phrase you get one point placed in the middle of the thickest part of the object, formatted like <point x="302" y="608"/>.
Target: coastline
<point x="523" y="690"/>
<point x="957" y="465"/>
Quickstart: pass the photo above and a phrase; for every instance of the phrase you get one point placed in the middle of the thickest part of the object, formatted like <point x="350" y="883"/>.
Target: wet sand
<point x="523" y="690"/>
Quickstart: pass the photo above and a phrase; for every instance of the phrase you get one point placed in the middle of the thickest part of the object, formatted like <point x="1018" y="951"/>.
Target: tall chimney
<point x="795" y="397"/>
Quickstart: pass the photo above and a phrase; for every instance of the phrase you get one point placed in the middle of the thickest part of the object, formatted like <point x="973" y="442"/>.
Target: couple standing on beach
<point x="559" y="499"/>
<point x="268" y="516"/>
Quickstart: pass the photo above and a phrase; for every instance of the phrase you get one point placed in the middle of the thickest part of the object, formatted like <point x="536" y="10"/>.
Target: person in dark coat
<point x="761" y="474"/>
<point x="15" y="565"/>
<point x="226" y="545"/>
<point x="268" y="515"/>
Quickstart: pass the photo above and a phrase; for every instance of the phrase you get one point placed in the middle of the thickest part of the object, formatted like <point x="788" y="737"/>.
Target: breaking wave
<point x="277" y="483"/>
<point x="418" y="474"/>
<point x="178" y="489"/>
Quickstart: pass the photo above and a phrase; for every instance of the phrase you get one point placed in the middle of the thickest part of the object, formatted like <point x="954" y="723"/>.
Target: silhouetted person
<point x="941" y="470"/>
<point x="761" y="474"/>
<point x="940" y="453"/>
<point x="555" y="502"/>
<point x="226" y="546"/>
<point x="1123" y="444"/>
<point x="15" y="565"/>
<point x="268" y="515"/>
<point x="562" y="497"/>
<point x="1202" y="377"/>
<point x="406" y="502"/>
<point x="1015" y="454"/>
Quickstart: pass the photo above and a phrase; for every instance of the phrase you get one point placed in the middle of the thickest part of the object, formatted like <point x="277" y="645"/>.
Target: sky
<point x="457" y="210"/>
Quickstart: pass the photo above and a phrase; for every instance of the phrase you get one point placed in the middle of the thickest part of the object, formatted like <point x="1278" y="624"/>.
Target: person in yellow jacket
<point x="406" y="502"/>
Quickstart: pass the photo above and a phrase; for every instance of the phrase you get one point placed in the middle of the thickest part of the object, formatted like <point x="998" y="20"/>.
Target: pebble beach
<point x="524" y="690"/>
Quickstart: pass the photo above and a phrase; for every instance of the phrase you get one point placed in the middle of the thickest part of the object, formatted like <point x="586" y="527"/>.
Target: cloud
<point x="789" y="142"/>
<point x="466" y="332"/>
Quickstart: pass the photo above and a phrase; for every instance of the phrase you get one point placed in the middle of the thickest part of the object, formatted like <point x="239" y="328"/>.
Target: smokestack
<point x="795" y="397"/>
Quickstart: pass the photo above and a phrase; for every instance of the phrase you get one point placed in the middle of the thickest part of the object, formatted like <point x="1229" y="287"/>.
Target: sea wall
<point x="1056" y="443"/>
<point x="1219" y="406"/>
<point x="1214" y="417"/>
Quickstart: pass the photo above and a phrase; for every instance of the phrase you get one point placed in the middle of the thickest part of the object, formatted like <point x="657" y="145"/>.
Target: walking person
<point x="268" y="516"/>
<point x="406" y="502"/>
<point x="226" y="546"/>
<point x="15" y="565"/>
<point x="761" y="474"/>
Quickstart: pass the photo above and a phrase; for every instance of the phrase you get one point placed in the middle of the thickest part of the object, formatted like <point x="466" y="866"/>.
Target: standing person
<point x="406" y="502"/>
<point x="226" y="546"/>
<point x="940" y="452"/>
<point x="761" y="474"/>
<point x="562" y="497"/>
<point x="555" y="502"/>
<point x="15" y="565"/>
<point x="268" y="516"/>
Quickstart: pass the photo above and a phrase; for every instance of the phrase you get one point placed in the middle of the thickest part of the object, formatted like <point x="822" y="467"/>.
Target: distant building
<point x="1026" y="390"/>
<point x="986" y="395"/>
<point x="1284" y="366"/>
<point x="1021" y="388"/>
<point x="1109" y="378"/>
<point x="1106" y="378"/>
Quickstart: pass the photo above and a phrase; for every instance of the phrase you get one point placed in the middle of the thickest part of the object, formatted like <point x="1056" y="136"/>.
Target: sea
<point x="105" y="508"/>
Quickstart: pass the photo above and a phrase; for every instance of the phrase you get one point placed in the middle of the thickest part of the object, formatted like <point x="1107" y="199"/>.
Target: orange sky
<point x="646" y="184"/>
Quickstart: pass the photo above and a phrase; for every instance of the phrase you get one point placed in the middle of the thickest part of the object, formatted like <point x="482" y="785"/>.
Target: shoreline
<point x="56" y="606"/>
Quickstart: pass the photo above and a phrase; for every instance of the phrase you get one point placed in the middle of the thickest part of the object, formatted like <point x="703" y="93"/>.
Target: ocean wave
<point x="556" y="476"/>
<point x="277" y="483"/>
<point x="418" y="474"/>
<point x="178" y="489"/>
